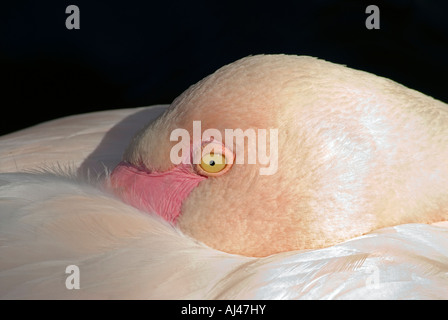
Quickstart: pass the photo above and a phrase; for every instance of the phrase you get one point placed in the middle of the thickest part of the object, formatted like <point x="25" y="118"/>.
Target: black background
<point x="129" y="54"/>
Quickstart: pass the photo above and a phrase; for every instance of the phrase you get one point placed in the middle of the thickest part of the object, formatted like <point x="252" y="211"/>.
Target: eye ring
<point x="211" y="158"/>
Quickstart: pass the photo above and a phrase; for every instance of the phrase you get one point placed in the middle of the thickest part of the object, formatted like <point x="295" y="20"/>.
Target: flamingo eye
<point x="215" y="160"/>
<point x="213" y="163"/>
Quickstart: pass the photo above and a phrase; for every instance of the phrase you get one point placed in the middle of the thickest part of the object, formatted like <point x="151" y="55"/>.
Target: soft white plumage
<point x="49" y="221"/>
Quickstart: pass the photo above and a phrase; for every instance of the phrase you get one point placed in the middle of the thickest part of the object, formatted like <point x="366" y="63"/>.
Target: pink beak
<point x="155" y="192"/>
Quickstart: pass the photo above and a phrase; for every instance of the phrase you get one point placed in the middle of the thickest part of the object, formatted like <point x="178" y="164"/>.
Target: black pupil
<point x="212" y="163"/>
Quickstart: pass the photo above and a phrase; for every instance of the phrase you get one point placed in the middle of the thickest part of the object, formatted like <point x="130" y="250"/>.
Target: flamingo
<point x="355" y="209"/>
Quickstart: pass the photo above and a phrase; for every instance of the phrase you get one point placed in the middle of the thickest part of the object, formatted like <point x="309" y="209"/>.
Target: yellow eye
<point x="213" y="163"/>
<point x="216" y="160"/>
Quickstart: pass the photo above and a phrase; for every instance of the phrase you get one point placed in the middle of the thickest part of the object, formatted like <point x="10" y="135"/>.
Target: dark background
<point x="129" y="54"/>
